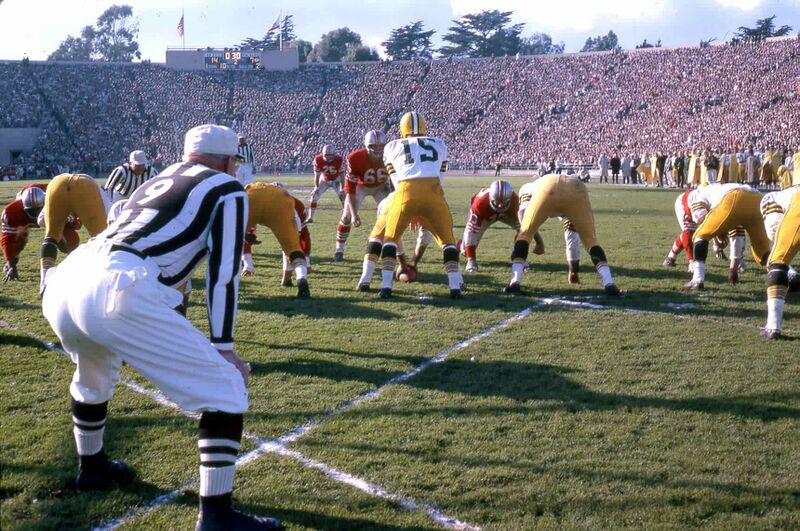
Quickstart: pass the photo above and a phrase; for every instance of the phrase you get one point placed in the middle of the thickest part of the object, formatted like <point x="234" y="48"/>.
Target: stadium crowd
<point x="523" y="111"/>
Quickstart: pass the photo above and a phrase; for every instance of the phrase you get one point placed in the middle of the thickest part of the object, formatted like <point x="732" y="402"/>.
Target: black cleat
<point x="612" y="290"/>
<point x="338" y="256"/>
<point x="385" y="293"/>
<point x="215" y="521"/>
<point x="113" y="473"/>
<point x="302" y="289"/>
<point x="456" y="294"/>
<point x="769" y="333"/>
<point x="513" y="288"/>
<point x="363" y="287"/>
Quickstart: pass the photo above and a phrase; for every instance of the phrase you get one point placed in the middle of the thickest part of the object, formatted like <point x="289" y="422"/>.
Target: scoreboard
<point x="232" y="60"/>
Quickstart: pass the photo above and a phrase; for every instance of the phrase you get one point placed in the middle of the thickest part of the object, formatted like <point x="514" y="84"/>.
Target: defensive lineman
<point x="112" y="300"/>
<point x="328" y="174"/>
<point x="125" y="179"/>
<point x="416" y="164"/>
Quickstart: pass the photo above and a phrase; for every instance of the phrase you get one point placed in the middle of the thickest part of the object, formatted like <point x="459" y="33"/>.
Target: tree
<point x="359" y="52"/>
<point x="114" y="39"/>
<point x="646" y="44"/>
<point x="601" y="43"/>
<point x="763" y="29"/>
<point x="333" y="46"/>
<point x="540" y="44"/>
<point x="271" y="41"/>
<point x="303" y="48"/>
<point x="409" y="42"/>
<point x="483" y="34"/>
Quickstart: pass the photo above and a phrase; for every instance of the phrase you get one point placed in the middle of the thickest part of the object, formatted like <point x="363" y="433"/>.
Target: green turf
<point x="570" y="417"/>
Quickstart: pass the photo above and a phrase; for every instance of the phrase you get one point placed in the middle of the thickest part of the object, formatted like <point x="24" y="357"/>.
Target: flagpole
<point x="280" y="30"/>
<point x="184" y="29"/>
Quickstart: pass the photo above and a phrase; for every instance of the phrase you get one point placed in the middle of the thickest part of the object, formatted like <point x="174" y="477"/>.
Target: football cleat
<point x="230" y="519"/>
<point x="286" y="281"/>
<point x="472" y="266"/>
<point x="456" y="294"/>
<point x="385" y="293"/>
<point x="612" y="290"/>
<point x="513" y="288"/>
<point x="526" y="267"/>
<point x="111" y="474"/>
<point x="668" y="262"/>
<point x="770" y="333"/>
<point x="694" y="286"/>
<point x="363" y="287"/>
<point x="302" y="289"/>
<point x="733" y="275"/>
<point x="572" y="277"/>
<point x="338" y="256"/>
<point x="247" y="272"/>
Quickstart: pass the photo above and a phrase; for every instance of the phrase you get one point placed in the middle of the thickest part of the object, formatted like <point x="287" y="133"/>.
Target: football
<point x="409" y="274"/>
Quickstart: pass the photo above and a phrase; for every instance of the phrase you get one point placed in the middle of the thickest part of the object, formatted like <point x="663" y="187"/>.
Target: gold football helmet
<point x="412" y="124"/>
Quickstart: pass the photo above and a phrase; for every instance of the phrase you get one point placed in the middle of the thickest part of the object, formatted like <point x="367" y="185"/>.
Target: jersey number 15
<point x="424" y="157"/>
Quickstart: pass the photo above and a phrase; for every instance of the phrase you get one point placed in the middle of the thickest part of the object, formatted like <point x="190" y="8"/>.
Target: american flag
<point x="275" y="25"/>
<point x="180" y="27"/>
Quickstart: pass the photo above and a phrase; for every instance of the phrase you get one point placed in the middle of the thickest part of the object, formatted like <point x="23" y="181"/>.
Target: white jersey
<point x="704" y="198"/>
<point x="415" y="157"/>
<point x="774" y="205"/>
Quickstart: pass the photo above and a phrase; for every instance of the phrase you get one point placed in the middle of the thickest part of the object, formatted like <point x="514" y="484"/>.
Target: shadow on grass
<point x="315" y="307"/>
<point x="21" y="341"/>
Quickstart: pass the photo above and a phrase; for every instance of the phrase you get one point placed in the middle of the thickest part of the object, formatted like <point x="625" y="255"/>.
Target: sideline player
<point x="111" y="302"/>
<point x="498" y="202"/>
<point x="563" y="196"/>
<point x="272" y="206"/>
<point x="125" y="179"/>
<point x="417" y="164"/>
<point x="366" y="175"/>
<point x="327" y="174"/>
<point x="16" y="218"/>
<point x="244" y="173"/>
<point x="781" y="212"/>
<point x="70" y="195"/>
<point x="721" y="209"/>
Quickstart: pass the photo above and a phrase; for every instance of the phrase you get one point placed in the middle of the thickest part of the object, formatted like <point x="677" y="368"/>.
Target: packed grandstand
<point x="518" y="110"/>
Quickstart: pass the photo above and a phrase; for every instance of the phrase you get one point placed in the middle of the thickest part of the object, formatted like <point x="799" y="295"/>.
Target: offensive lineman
<point x="125" y="179"/>
<point x="112" y="300"/>
<point x="417" y="164"/>
<point x="366" y="175"/>
<point x="327" y="174"/>
<point x="563" y="196"/>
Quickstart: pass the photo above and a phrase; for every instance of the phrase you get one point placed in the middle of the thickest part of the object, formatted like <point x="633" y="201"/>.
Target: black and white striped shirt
<point x="185" y="214"/>
<point x="246" y="152"/>
<point x="122" y="182"/>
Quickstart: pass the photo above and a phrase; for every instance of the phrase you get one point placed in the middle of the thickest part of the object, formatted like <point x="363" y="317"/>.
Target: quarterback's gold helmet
<point x="412" y="124"/>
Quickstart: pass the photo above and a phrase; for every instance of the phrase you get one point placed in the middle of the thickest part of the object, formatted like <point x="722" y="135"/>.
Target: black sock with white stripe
<point x="89" y="426"/>
<point x="220" y="436"/>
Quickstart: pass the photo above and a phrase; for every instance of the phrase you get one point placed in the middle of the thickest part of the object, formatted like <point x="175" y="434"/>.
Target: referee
<point x="125" y="179"/>
<point x="245" y="172"/>
<point x="111" y="301"/>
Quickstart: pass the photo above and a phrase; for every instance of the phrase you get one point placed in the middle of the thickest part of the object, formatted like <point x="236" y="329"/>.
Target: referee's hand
<point x="243" y="367"/>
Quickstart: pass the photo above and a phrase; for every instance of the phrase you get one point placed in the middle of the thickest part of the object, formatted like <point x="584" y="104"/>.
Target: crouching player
<point x="272" y="206"/>
<point x="782" y="220"/>
<point x="496" y="203"/>
<point x="559" y="196"/>
<point x="17" y="216"/>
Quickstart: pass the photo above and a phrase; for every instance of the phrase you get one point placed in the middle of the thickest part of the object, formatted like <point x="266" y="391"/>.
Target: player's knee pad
<point x="778" y="274"/>
<point x="220" y="425"/>
<point x="49" y="248"/>
<point x="89" y="412"/>
<point x="700" y="248"/>
<point x="450" y="253"/>
<point x="297" y="255"/>
<point x="374" y="247"/>
<point x="389" y="250"/>
<point x="520" y="250"/>
<point x="597" y="255"/>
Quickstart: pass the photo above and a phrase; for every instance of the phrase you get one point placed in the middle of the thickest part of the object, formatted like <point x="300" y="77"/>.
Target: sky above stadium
<point x="36" y="27"/>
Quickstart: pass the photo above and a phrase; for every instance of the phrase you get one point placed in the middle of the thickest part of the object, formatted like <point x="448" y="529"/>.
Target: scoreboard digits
<point x="232" y="60"/>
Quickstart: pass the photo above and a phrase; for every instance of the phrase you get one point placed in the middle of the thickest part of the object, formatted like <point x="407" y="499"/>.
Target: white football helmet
<point x="328" y="153"/>
<point x="33" y="201"/>
<point x="374" y="141"/>
<point x="500" y="195"/>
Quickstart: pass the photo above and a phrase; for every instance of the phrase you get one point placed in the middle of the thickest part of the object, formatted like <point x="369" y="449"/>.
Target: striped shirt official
<point x="246" y="152"/>
<point x="185" y="214"/>
<point x="122" y="182"/>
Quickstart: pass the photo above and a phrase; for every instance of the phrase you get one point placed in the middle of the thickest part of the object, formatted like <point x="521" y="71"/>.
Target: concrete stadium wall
<point x="16" y="139"/>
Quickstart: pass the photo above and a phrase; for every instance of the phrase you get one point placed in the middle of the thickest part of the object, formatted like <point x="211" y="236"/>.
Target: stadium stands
<point x="518" y="110"/>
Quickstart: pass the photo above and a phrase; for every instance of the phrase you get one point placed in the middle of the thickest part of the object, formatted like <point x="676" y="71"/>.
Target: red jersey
<point x="362" y="170"/>
<point x="15" y="228"/>
<point x="300" y="208"/>
<point x="330" y="169"/>
<point x="480" y="210"/>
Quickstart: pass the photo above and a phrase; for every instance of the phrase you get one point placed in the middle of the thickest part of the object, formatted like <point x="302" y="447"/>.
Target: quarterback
<point x="416" y="164"/>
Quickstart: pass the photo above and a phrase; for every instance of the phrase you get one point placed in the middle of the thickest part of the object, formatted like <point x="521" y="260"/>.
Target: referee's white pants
<point x="107" y="307"/>
<point x="244" y="174"/>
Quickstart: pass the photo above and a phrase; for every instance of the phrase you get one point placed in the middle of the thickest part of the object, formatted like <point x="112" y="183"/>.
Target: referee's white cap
<point x="138" y="157"/>
<point x="211" y="139"/>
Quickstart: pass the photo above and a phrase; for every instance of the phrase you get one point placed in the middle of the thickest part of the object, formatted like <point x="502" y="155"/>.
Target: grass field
<point x="662" y="409"/>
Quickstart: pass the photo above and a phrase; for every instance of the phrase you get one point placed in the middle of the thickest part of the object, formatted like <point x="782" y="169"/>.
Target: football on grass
<point x="409" y="274"/>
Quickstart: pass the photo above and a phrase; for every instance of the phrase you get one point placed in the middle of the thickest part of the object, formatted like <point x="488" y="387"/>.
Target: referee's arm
<point x="225" y="240"/>
<point x="116" y="177"/>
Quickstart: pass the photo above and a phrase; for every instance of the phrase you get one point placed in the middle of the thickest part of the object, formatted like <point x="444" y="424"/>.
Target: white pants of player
<point x="474" y="232"/>
<point x="244" y="174"/>
<point x="325" y="185"/>
<point x="378" y="193"/>
<point x="107" y="307"/>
